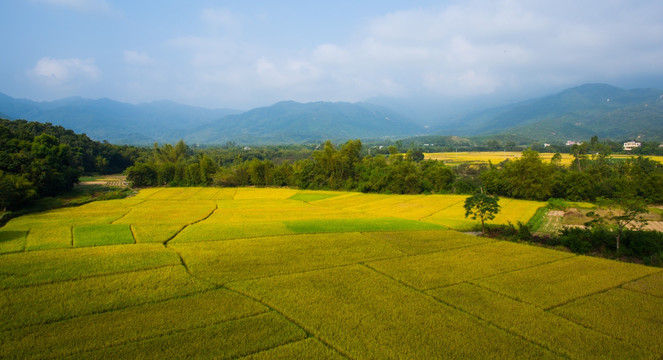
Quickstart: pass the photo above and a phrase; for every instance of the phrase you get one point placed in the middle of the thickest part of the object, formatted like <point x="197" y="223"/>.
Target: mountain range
<point x="577" y="113"/>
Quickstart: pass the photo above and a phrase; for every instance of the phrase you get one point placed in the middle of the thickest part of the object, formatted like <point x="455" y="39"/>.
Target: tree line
<point x="39" y="160"/>
<point x="592" y="175"/>
<point x="589" y="178"/>
<point x="331" y="167"/>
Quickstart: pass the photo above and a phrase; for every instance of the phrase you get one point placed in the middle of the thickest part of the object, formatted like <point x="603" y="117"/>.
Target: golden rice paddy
<point x="281" y="273"/>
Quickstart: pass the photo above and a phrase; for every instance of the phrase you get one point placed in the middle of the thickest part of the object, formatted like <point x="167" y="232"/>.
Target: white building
<point x="628" y="146"/>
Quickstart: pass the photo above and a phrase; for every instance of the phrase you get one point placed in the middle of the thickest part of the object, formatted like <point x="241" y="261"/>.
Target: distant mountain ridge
<point x="114" y="121"/>
<point x="293" y="122"/>
<point x="576" y="113"/>
<point x="573" y="114"/>
<point x="165" y="121"/>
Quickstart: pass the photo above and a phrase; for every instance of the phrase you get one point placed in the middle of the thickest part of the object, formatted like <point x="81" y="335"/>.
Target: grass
<point x="310" y="196"/>
<point x="47" y="303"/>
<point x="225" y="261"/>
<point x="567" y="337"/>
<point x="387" y="319"/>
<point x="457" y="158"/>
<point x="95" y="235"/>
<point x="33" y="268"/>
<point x="422" y="271"/>
<point x="313" y="348"/>
<point x="83" y="334"/>
<point x="279" y="273"/>
<point x="550" y="285"/>
<point x="227" y="340"/>
<point x="12" y="240"/>
<point x="350" y="225"/>
<point x="54" y="237"/>
<point x="427" y="241"/>
<point x="623" y="314"/>
<point x="652" y="285"/>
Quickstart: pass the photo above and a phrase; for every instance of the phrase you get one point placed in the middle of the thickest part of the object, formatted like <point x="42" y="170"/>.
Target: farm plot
<point x="421" y="271"/>
<point x="623" y="314"/>
<point x="375" y="317"/>
<point x="550" y="285"/>
<point x="100" y="331"/>
<point x="225" y="261"/>
<point x="276" y="273"/>
<point x="47" y="303"/>
<point x="41" y="267"/>
<point x="541" y="327"/>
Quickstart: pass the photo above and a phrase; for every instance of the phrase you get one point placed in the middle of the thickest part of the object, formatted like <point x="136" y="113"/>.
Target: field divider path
<point x="122" y="216"/>
<point x="133" y="233"/>
<point x="89" y="276"/>
<point x="149" y="302"/>
<point x="25" y="242"/>
<point x="167" y="333"/>
<point x="555" y="314"/>
<point x="619" y="286"/>
<point x="308" y="332"/>
<point x="500" y="274"/>
<point x="216" y="207"/>
<point x="190" y="273"/>
<point x="440" y="210"/>
<point x="640" y="291"/>
<point x="385" y="243"/>
<point x="508" y="331"/>
<point x="606" y="333"/>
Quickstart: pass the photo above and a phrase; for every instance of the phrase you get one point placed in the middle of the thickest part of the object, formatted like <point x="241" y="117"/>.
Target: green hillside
<point x="577" y="113"/>
<point x="293" y="122"/>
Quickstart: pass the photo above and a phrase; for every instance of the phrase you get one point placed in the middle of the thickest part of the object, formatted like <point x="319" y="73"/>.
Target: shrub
<point x="576" y="239"/>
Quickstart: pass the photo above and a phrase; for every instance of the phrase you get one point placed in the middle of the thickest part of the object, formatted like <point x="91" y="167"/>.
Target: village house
<point x="628" y="146"/>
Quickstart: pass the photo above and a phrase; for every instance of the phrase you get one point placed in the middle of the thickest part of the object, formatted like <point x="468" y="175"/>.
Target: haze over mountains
<point x="576" y="113"/>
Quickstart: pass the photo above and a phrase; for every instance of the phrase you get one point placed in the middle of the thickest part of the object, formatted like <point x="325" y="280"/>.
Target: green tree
<point x="528" y="177"/>
<point x="142" y="175"/>
<point x="14" y="190"/>
<point x="622" y="212"/>
<point x="483" y="207"/>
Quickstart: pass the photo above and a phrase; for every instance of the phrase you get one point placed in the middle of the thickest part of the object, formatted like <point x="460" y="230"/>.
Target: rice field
<point x="280" y="274"/>
<point x="457" y="158"/>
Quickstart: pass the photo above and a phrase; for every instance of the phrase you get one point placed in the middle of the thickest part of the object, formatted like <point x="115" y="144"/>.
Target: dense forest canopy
<point x="38" y="160"/>
<point x="593" y="174"/>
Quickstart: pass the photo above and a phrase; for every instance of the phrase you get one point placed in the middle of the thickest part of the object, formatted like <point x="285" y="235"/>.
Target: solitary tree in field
<point x="622" y="212"/>
<point x="482" y="206"/>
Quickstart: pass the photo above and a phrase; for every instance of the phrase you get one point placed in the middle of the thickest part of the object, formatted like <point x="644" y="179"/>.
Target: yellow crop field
<point x="615" y="311"/>
<point x="495" y="157"/>
<point x="548" y="330"/>
<point x="278" y="273"/>
<point x="419" y="272"/>
<point x="549" y="285"/>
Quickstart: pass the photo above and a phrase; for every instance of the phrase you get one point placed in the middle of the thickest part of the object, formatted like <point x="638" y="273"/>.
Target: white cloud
<point x="476" y="47"/>
<point x="222" y="20"/>
<point x="65" y="72"/>
<point x="101" y="6"/>
<point x="137" y="58"/>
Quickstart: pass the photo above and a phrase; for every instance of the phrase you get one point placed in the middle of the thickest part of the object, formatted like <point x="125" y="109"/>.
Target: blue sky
<point x="243" y="54"/>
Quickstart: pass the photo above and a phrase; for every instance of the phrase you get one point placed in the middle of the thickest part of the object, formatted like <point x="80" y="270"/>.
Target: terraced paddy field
<point x="456" y="158"/>
<point x="279" y="273"/>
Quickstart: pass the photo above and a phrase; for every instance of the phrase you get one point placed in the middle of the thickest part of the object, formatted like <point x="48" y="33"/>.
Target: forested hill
<point x="576" y="113"/>
<point x="293" y="122"/>
<point x="39" y="160"/>
<point x="114" y="121"/>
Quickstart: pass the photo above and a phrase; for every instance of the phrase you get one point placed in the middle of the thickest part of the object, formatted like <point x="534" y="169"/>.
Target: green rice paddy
<point x="282" y="274"/>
